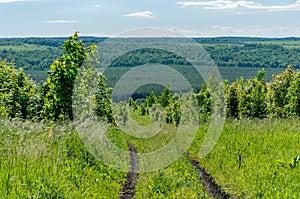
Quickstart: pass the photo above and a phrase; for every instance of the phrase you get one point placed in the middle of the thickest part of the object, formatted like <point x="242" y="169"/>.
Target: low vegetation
<point x="42" y="160"/>
<point x="255" y="158"/>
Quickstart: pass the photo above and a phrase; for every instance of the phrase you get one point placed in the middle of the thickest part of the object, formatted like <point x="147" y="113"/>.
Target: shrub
<point x="278" y="90"/>
<point x="18" y="93"/>
<point x="293" y="97"/>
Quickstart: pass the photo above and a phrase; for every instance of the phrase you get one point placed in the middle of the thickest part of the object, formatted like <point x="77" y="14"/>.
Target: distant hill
<point x="37" y="54"/>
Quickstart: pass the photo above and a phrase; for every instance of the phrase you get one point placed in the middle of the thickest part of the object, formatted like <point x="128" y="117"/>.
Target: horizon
<point x="159" y="37"/>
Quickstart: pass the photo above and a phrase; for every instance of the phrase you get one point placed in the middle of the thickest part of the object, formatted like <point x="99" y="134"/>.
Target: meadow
<point x="255" y="159"/>
<point x="252" y="159"/>
<point x="35" y="164"/>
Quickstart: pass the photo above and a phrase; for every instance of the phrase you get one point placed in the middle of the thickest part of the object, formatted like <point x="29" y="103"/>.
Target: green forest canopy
<point x="39" y="53"/>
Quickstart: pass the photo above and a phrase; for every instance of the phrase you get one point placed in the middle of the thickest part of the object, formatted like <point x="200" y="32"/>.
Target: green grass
<point x="32" y="165"/>
<point x="179" y="180"/>
<point x="141" y="120"/>
<point x="251" y="158"/>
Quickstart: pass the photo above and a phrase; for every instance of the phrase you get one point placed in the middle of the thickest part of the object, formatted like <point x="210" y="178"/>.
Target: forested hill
<point x="39" y="53"/>
<point x="35" y="53"/>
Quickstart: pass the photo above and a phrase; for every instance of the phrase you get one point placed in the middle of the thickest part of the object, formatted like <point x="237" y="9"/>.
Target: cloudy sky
<point x="276" y="18"/>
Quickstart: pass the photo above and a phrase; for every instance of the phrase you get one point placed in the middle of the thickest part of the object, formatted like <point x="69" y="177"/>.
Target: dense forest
<point x="35" y="53"/>
<point x="39" y="53"/>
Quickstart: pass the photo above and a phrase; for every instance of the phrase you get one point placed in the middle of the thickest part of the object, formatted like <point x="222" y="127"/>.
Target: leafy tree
<point x="151" y="99"/>
<point x="165" y="97"/>
<point x="278" y="90"/>
<point x="133" y="104"/>
<point x="169" y="114"/>
<point x="173" y="111"/>
<point x="104" y="101"/>
<point x="62" y="74"/>
<point x="232" y="100"/>
<point x="259" y="95"/>
<point x="211" y="98"/>
<point x="130" y="102"/>
<point x="143" y="109"/>
<point x="176" y="111"/>
<point x="244" y="98"/>
<point x="17" y="92"/>
<point x="293" y="97"/>
<point x="253" y="97"/>
<point x="204" y="102"/>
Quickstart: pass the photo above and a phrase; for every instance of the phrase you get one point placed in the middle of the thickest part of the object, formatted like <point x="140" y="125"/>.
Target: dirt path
<point x="212" y="188"/>
<point x="128" y="190"/>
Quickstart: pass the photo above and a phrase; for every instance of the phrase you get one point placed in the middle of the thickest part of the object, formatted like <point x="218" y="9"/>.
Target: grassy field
<point x="255" y="159"/>
<point x="252" y="159"/>
<point x="34" y="165"/>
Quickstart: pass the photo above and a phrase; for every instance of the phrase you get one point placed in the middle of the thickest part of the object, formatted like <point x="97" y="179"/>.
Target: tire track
<point x="128" y="190"/>
<point x="209" y="183"/>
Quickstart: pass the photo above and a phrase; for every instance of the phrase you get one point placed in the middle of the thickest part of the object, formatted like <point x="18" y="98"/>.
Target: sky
<point x="198" y="18"/>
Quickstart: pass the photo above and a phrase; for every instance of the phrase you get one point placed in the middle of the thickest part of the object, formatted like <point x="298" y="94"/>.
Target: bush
<point x="293" y="97"/>
<point x="278" y="90"/>
<point x="18" y="93"/>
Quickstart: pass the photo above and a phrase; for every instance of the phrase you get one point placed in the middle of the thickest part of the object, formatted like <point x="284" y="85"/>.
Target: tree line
<point x="23" y="98"/>
<point x="252" y="98"/>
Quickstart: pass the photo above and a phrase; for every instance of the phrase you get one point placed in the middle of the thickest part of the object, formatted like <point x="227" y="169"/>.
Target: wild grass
<point x="178" y="180"/>
<point x="254" y="159"/>
<point x="36" y="165"/>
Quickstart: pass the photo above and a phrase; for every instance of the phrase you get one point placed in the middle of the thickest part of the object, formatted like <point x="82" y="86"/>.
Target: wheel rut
<point x="128" y="190"/>
<point x="209" y="183"/>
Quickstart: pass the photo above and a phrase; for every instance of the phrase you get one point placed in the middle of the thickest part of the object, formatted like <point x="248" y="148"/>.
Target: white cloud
<point x="61" y="21"/>
<point x="144" y="14"/>
<point x="241" y="4"/>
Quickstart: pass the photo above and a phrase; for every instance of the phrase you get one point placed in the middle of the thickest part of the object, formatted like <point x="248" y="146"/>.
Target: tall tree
<point x="62" y="74"/>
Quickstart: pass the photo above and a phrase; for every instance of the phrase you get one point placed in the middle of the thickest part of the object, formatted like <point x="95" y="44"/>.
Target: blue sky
<point x="265" y="18"/>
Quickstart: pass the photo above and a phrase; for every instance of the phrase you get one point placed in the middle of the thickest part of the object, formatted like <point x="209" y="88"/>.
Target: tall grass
<point x="253" y="158"/>
<point x="36" y="165"/>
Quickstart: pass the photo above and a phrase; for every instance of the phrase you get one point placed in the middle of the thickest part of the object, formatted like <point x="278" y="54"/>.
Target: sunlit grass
<point x="34" y="165"/>
<point x="252" y="158"/>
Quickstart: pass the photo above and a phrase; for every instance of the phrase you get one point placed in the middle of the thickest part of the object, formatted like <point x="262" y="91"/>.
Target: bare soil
<point x="128" y="190"/>
<point x="209" y="183"/>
